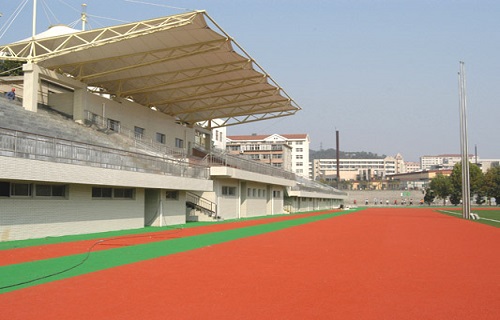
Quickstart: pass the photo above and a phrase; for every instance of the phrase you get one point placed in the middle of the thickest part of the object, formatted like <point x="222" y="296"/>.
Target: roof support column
<point x="31" y="85"/>
<point x="79" y="103"/>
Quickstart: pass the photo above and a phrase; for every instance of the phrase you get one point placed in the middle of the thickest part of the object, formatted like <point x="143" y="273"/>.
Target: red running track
<point x="373" y="264"/>
<point x="48" y="251"/>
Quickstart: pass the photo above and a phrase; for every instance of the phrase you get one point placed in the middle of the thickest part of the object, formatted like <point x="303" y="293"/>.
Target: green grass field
<point x="489" y="217"/>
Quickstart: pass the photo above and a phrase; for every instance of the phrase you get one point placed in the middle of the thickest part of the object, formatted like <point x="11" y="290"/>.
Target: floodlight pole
<point x="84" y="16"/>
<point x="33" y="33"/>
<point x="464" y="144"/>
<point x="338" y="158"/>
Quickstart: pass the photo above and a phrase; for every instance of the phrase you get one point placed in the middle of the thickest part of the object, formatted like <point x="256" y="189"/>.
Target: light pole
<point x="463" y="143"/>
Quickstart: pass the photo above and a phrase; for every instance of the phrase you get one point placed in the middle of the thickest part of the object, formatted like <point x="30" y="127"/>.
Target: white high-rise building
<point x="443" y="161"/>
<point x="288" y="151"/>
<point x="358" y="169"/>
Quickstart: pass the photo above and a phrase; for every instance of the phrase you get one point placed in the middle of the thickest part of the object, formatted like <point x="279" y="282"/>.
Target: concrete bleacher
<point x="121" y="151"/>
<point x="385" y="195"/>
<point x="49" y="123"/>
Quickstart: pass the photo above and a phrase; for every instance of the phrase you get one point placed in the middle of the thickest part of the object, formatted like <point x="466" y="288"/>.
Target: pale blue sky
<point x="382" y="72"/>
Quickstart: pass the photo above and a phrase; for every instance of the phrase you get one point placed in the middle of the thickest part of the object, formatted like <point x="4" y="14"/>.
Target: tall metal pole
<point x="464" y="144"/>
<point x="338" y="158"/>
<point x="84" y="16"/>
<point x="33" y="33"/>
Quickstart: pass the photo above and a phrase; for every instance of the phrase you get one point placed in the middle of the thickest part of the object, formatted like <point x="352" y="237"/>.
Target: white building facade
<point x="357" y="169"/>
<point x="443" y="161"/>
<point x="288" y="151"/>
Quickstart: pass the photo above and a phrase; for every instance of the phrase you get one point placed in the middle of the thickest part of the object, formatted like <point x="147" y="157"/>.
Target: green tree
<point x="476" y="178"/>
<point x="11" y="68"/>
<point x="455" y="197"/>
<point x="491" y="184"/>
<point x="429" y="196"/>
<point x="441" y="186"/>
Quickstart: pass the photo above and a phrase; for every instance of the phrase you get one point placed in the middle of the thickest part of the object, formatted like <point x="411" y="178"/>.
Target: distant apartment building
<point x="357" y="169"/>
<point x="414" y="180"/>
<point x="287" y="151"/>
<point x="219" y="137"/>
<point x="486" y="164"/>
<point x="443" y="161"/>
<point x="412" y="166"/>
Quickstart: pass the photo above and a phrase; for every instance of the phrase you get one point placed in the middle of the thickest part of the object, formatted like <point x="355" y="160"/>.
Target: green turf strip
<point x="488" y="217"/>
<point x="70" y="266"/>
<point x="7" y="245"/>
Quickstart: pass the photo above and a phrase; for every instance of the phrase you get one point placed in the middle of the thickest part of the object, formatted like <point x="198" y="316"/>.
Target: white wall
<point x="173" y="211"/>
<point x="275" y="205"/>
<point x="129" y="114"/>
<point x="228" y="206"/>
<point x="256" y="205"/>
<point x="24" y="218"/>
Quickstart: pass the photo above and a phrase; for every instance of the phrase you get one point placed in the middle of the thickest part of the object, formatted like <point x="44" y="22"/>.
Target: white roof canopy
<point x="177" y="64"/>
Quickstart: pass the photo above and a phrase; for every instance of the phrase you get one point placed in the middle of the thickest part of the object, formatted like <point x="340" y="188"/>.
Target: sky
<point x="384" y="73"/>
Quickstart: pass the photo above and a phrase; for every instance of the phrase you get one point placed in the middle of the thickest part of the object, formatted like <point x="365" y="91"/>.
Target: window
<point x="299" y="149"/>
<point x="92" y="117"/>
<point x="298" y="143"/>
<point x="299" y="156"/>
<point x="123" y="193"/>
<point x="8" y="189"/>
<point x="299" y="164"/>
<point x="172" y="195"/>
<point x="4" y="189"/>
<point x="49" y="190"/>
<point x="43" y="190"/>
<point x="253" y="147"/>
<point x="228" y="191"/>
<point x="179" y="143"/>
<point x="113" y="193"/>
<point x="160" y="138"/>
<point x="20" y="189"/>
<point x="276" y="194"/>
<point x="249" y="192"/>
<point x="114" y="125"/>
<point x="139" y="132"/>
<point x="98" y="192"/>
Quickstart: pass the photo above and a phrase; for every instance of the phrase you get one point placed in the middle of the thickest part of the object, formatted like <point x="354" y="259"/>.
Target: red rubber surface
<point x="373" y="264"/>
<point x="20" y="255"/>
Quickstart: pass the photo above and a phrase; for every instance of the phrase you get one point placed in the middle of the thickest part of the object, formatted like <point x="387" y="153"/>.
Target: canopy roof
<point x="177" y="64"/>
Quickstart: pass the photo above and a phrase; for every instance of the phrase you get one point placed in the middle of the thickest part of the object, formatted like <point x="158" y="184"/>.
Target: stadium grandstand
<point x="111" y="129"/>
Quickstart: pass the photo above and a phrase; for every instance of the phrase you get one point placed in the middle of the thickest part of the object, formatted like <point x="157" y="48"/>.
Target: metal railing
<point x="202" y="203"/>
<point x="224" y="159"/>
<point x="139" y="140"/>
<point x="21" y="144"/>
<point x="214" y="157"/>
<point x="314" y="186"/>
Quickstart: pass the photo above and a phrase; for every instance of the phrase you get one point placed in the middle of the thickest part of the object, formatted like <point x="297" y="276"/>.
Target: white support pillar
<point x="79" y="104"/>
<point x="31" y="86"/>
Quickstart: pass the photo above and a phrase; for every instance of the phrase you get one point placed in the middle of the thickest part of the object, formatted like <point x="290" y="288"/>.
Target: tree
<point x="11" y="68"/>
<point x="429" y="196"/>
<point x="475" y="181"/>
<point x="491" y="184"/>
<point x="441" y="186"/>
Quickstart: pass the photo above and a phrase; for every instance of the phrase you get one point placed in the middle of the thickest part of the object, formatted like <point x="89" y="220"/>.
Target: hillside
<point x="332" y="154"/>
